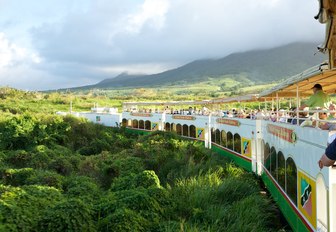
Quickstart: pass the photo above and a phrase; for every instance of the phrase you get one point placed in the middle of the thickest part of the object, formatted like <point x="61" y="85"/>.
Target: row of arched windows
<point x="141" y="124"/>
<point x="283" y="171"/>
<point x="184" y="130"/>
<point x="228" y="140"/>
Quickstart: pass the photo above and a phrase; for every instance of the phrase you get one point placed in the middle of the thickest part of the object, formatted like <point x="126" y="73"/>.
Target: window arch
<point x="217" y="136"/>
<point x="322" y="206"/>
<point x="262" y="149"/>
<point x="179" y="129"/>
<point x="192" y="131"/>
<point x="185" y="130"/>
<point x="281" y="170"/>
<point x="124" y="122"/>
<point x="148" y="125"/>
<point x="291" y="180"/>
<point x="273" y="168"/>
<point x="141" y="124"/>
<point x="135" y="123"/>
<point x="223" y="138"/>
<point x="173" y="127"/>
<point x="213" y="136"/>
<point x="229" y="138"/>
<point x="167" y="126"/>
<point x="267" y="157"/>
<point x="237" y="143"/>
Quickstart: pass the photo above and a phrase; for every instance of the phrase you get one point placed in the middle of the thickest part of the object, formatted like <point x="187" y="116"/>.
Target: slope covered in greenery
<point x="258" y="66"/>
<point x="65" y="174"/>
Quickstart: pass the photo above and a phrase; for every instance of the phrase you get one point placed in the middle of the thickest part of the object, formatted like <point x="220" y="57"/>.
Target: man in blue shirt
<point x="329" y="157"/>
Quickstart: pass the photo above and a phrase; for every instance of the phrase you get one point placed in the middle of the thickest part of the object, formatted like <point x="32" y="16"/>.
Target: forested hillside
<point x="65" y="174"/>
<point x="259" y="66"/>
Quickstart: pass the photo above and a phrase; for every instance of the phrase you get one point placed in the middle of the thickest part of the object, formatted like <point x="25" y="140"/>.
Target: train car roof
<point x="303" y="83"/>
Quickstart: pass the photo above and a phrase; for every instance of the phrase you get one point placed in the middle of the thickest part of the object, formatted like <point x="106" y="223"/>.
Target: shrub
<point x="68" y="215"/>
<point x="81" y="187"/>
<point x="46" y="178"/>
<point x="17" y="177"/>
<point x="22" y="207"/>
<point x="124" y="220"/>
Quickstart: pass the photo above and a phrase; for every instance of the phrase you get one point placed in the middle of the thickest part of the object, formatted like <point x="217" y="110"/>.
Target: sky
<point x="67" y="43"/>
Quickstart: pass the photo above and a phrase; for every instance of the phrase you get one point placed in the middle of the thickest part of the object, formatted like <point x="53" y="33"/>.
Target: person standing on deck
<point x="329" y="156"/>
<point x="318" y="99"/>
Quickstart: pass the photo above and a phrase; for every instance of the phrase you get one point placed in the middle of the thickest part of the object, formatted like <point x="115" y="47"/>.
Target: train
<point x="284" y="155"/>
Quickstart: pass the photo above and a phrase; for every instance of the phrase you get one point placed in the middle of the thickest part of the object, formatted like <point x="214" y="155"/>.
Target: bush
<point x="68" y="215"/>
<point x="124" y="220"/>
<point x="17" y="177"/>
<point x="22" y="207"/>
<point x="81" y="187"/>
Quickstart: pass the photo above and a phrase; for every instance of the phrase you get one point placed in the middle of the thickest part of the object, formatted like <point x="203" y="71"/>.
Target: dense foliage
<point x="65" y="174"/>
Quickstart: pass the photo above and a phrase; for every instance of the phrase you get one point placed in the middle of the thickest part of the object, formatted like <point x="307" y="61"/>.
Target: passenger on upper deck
<point x="329" y="157"/>
<point x="318" y="99"/>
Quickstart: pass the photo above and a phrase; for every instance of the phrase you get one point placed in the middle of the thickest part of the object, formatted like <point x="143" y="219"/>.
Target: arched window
<point x="262" y="149"/>
<point x="213" y="136"/>
<point x="237" y="143"/>
<point x="192" y="131"/>
<point x="167" y="126"/>
<point x="173" y="127"/>
<point x="217" y="136"/>
<point x="141" y="124"/>
<point x="291" y="180"/>
<point x="135" y="123"/>
<point x="148" y="125"/>
<point x="179" y="129"/>
<point x="229" y="138"/>
<point x="281" y="170"/>
<point x="322" y="206"/>
<point x="124" y="122"/>
<point x="274" y="163"/>
<point x="185" y="130"/>
<point x="223" y="138"/>
<point x="267" y="157"/>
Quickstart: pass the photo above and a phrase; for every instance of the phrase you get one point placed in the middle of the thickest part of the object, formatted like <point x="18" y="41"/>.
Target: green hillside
<point x="66" y="174"/>
<point x="257" y="66"/>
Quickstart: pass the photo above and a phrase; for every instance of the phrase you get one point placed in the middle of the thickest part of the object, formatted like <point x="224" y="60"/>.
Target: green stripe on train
<point x="238" y="160"/>
<point x="291" y="216"/>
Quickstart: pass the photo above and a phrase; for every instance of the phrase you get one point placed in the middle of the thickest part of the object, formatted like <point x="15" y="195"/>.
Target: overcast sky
<point x="65" y="43"/>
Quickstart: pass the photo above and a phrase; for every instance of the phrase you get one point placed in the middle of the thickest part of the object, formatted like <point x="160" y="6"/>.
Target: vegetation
<point x="66" y="174"/>
<point x="259" y="66"/>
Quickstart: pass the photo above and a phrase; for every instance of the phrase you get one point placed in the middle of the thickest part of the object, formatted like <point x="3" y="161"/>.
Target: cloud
<point x="87" y="41"/>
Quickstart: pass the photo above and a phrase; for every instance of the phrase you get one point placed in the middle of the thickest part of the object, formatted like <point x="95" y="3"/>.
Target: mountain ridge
<point x="260" y="66"/>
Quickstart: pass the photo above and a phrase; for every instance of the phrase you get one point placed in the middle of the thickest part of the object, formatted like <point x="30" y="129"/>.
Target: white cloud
<point x="61" y="42"/>
<point x="11" y="54"/>
<point x="152" y="11"/>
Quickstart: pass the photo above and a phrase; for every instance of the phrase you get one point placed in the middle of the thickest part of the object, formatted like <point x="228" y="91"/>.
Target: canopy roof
<point x="304" y="83"/>
<point x="244" y="98"/>
<point x="203" y="102"/>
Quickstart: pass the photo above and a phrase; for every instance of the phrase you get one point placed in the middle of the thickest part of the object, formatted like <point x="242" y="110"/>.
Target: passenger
<point x="318" y="99"/>
<point x="302" y="117"/>
<point x="329" y="157"/>
<point x="331" y="125"/>
<point x="283" y="117"/>
<point x="273" y="117"/>
<point x="323" y="116"/>
<point x="190" y="111"/>
<point x="259" y="115"/>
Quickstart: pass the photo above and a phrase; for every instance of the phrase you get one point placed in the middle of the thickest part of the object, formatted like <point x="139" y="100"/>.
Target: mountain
<point x="259" y="66"/>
